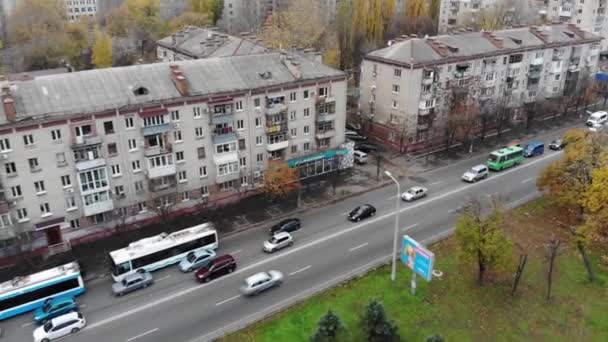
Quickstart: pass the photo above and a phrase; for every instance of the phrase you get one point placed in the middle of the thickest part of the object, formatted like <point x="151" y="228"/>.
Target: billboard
<point x="417" y="257"/>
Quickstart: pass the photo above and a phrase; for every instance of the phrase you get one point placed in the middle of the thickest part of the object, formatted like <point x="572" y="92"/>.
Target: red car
<point x="218" y="267"/>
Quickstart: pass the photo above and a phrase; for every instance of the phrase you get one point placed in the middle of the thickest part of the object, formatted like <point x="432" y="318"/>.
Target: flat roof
<point x="507" y="150"/>
<point x="39" y="277"/>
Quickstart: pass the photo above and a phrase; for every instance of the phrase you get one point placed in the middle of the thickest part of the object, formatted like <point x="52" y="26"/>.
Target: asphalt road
<point x="327" y="249"/>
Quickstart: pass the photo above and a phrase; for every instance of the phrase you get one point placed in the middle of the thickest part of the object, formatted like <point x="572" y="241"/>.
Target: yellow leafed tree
<point x="416" y="8"/>
<point x="102" y="50"/>
<point x="280" y="180"/>
<point x="372" y="16"/>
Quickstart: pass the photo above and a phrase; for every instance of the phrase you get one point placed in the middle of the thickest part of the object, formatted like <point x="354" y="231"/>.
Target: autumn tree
<point x="102" y="50"/>
<point x="482" y="239"/>
<point x="349" y="37"/>
<point x="210" y="8"/>
<point x="189" y="19"/>
<point x="145" y="24"/>
<point x="596" y="219"/>
<point x="372" y="17"/>
<point x="416" y="8"/>
<point x="434" y="8"/>
<point x="280" y="180"/>
<point x="378" y="327"/>
<point x="76" y="43"/>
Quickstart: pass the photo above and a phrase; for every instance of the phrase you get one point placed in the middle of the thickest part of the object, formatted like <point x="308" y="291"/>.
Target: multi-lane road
<point x="327" y="249"/>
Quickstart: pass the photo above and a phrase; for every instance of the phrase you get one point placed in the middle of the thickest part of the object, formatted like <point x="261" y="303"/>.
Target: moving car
<point x="476" y="173"/>
<point x="132" y="282"/>
<point x="288" y="225"/>
<point x="414" y="193"/>
<point x="597" y="119"/>
<point x="261" y="281"/>
<point x="534" y="148"/>
<point x="361" y="212"/>
<point x="360" y="157"/>
<point x="58" y="327"/>
<point x="54" y="307"/>
<point x="216" y="268"/>
<point x="367" y="147"/>
<point x="557" y="144"/>
<point x="196" y="259"/>
<point x="278" y="241"/>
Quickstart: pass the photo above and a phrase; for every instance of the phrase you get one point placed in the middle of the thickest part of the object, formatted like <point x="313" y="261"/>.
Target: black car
<point x="367" y="147"/>
<point x="557" y="144"/>
<point x="353" y="127"/>
<point x="355" y="137"/>
<point x="361" y="212"/>
<point x="288" y="225"/>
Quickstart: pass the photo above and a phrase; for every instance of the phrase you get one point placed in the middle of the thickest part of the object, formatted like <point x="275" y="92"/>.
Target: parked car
<point x="367" y="147"/>
<point x="261" y="281"/>
<point x="597" y="119"/>
<point x="534" y="148"/>
<point x="360" y="157"/>
<point x="216" y="268"/>
<point x="361" y="212"/>
<point x="353" y="127"/>
<point x="476" y="173"/>
<point x="132" y="282"/>
<point x="557" y="144"/>
<point x="54" y="307"/>
<point x="288" y="225"/>
<point x="196" y="259"/>
<point x="278" y="241"/>
<point x="60" y="326"/>
<point x="414" y="193"/>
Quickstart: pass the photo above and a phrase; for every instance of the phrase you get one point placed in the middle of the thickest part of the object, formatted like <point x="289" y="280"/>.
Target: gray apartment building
<point x="406" y="87"/>
<point x="84" y="150"/>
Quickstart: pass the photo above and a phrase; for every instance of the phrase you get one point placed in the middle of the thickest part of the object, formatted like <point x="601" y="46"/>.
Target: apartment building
<point x="198" y="42"/>
<point x="452" y="12"/>
<point x="79" y="8"/>
<point x="406" y="87"/>
<point x="89" y="149"/>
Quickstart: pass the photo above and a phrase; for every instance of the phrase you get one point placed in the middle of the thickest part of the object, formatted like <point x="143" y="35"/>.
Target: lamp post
<point x="396" y="236"/>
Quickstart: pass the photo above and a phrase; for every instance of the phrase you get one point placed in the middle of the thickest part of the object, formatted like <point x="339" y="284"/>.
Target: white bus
<point x="162" y="250"/>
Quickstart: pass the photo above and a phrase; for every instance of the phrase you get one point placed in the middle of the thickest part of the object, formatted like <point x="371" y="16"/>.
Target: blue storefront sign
<point x="601" y="76"/>
<point x="317" y="156"/>
<point x="417" y="258"/>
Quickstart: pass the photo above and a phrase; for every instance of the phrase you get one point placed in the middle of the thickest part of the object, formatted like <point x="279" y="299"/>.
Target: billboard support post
<point x="417" y="258"/>
<point x="413" y="283"/>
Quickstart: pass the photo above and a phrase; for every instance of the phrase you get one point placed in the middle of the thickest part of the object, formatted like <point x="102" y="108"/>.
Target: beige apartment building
<point x="88" y="149"/>
<point x="405" y="87"/>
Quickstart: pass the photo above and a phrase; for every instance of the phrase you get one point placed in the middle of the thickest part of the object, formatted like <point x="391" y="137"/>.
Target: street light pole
<point x="396" y="236"/>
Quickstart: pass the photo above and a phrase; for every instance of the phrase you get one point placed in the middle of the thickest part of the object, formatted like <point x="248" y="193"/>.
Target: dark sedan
<point x="367" y="147"/>
<point x="361" y="212"/>
<point x="288" y="225"/>
<point x="557" y="144"/>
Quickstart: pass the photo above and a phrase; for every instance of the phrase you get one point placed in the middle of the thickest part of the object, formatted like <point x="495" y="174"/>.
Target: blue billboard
<point x="417" y="258"/>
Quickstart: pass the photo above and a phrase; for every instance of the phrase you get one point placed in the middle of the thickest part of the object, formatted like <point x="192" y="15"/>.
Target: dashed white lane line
<point x="392" y="197"/>
<point x="27" y="324"/>
<point x="300" y="270"/>
<point x="357" y="247"/>
<point x="227" y="300"/>
<point x="163" y="278"/>
<point x="436" y="183"/>
<point x="345" y="213"/>
<point x="142" y="335"/>
<point x="526" y="180"/>
<point x="410" y="227"/>
<point x="236" y="252"/>
<point x="451" y="211"/>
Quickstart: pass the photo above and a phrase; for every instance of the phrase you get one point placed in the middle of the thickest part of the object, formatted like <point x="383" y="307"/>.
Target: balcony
<point x="537" y="61"/>
<point x="599" y="20"/>
<point x="489" y="83"/>
<point x="594" y="51"/>
<point x="276" y="108"/>
<point x="532" y="86"/>
<point x="326" y="133"/>
<point x="99" y="207"/>
<point x="224" y="138"/>
<point x="222" y="118"/>
<point x="164" y="186"/>
<point x="156" y="129"/>
<point x="424" y="111"/>
<point x="276" y="127"/>
<point x="161" y="171"/>
<point x="322" y="100"/>
<point x="556" y="67"/>
<point x="573" y="68"/>
<point x="80" y="141"/>
<point x="227" y="177"/>
<point x="462" y="74"/>
<point x="565" y="11"/>
<point x="158" y="149"/>
<point x="225" y="157"/>
<point x="425" y="96"/>
<point x="277" y="143"/>
<point x="86" y="164"/>
<point x="428" y="77"/>
<point x="422" y="125"/>
<point x="534" y="73"/>
<point x="223" y="130"/>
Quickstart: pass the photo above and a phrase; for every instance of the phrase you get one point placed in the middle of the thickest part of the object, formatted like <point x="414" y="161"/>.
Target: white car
<point x="414" y="193"/>
<point x="476" y="173"/>
<point x="261" y="281"/>
<point x="597" y="119"/>
<point x="58" y="327"/>
<point x="278" y="241"/>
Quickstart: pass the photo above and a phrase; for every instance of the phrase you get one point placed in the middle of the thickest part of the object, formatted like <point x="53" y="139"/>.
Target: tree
<point x="377" y="325"/>
<point x="482" y="238"/>
<point x="553" y="248"/>
<point x="434" y="338"/>
<point x="163" y="207"/>
<point x="596" y="218"/>
<point x="330" y="326"/>
<point x="416" y="8"/>
<point x="76" y="43"/>
<point x="189" y="19"/>
<point x="462" y="116"/>
<point x="492" y="18"/>
<point x="372" y="17"/>
<point x="211" y="8"/>
<point x="350" y="38"/>
<point x="434" y="8"/>
<point x="280" y="180"/>
<point x="145" y="24"/>
<point x="117" y="22"/>
<point x="102" y="50"/>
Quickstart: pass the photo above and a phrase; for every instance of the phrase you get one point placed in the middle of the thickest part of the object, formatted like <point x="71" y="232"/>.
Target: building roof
<point x="469" y="44"/>
<point x="198" y="42"/>
<point x="107" y="89"/>
<point x="29" y="75"/>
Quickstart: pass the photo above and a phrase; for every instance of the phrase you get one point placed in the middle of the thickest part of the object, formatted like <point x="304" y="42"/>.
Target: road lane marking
<point x="436" y="183"/>
<point x="451" y="211"/>
<point x="227" y="300"/>
<point x="410" y="227"/>
<point x="526" y="180"/>
<point x="493" y="194"/>
<point x="316" y="242"/>
<point x="392" y="197"/>
<point x="163" y="278"/>
<point x="142" y="335"/>
<point x="357" y="247"/>
<point x="345" y="213"/>
<point x="235" y="252"/>
<point x="300" y="270"/>
<point x="27" y="324"/>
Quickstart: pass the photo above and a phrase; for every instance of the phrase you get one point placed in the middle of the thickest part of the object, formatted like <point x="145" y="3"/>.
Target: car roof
<point x="478" y="167"/>
<point x="223" y="258"/>
<point x="281" y="234"/>
<point x="135" y="275"/>
<point x="535" y="143"/>
<point x="257" y="277"/>
<point x="64" y="318"/>
<point x="62" y="300"/>
<point x="203" y="251"/>
<point x="601" y="112"/>
<point x="416" y="188"/>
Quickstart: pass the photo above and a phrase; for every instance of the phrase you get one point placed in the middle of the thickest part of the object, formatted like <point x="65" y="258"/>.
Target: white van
<point x="360" y="157"/>
<point x="597" y="119"/>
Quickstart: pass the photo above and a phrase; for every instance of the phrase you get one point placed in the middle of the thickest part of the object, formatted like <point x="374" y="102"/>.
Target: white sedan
<point x="414" y="193"/>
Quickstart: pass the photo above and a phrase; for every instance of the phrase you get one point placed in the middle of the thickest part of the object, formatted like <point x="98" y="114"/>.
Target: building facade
<point x="92" y="149"/>
<point x="80" y="8"/>
<point x="452" y="12"/>
<point x="406" y="88"/>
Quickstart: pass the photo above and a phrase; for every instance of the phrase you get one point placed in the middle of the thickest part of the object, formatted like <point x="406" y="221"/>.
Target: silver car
<point x="132" y="282"/>
<point x="414" y="193"/>
<point x="278" y="241"/>
<point x="261" y="281"/>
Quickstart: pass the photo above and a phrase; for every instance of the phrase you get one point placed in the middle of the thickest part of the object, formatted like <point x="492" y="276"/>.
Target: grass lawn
<point x="457" y="308"/>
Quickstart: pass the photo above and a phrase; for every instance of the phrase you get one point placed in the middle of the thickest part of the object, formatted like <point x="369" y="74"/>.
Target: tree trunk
<point x="553" y="247"/>
<point x="581" y="249"/>
<point x="523" y="258"/>
<point x="378" y="162"/>
<point x="482" y="268"/>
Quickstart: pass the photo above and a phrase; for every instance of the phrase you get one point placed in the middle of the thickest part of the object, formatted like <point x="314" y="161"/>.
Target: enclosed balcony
<point x="162" y="184"/>
<point x="275" y="105"/>
<point x="565" y="11"/>
<point x="276" y="123"/>
<point x="535" y="73"/>
<point x="462" y="71"/>
<point x="81" y="141"/>
<point x="156" y="129"/>
<point x="89" y="158"/>
<point x="97" y="203"/>
<point x="277" y="142"/>
<point x="326" y="112"/>
<point x="160" y="166"/>
<point x="325" y="130"/>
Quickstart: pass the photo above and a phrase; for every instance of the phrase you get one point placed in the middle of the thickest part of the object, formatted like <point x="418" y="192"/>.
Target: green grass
<point x="456" y="307"/>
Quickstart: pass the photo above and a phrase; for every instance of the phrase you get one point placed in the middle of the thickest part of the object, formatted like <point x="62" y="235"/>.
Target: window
<point x="60" y="156"/>
<point x="93" y="180"/>
<point x="395" y="88"/>
<point x="489" y="76"/>
<point x="11" y="169"/>
<point x="292" y="115"/>
<point x="181" y="176"/>
<point x="259" y="157"/>
<point x="179" y="156"/>
<point x="198" y="131"/>
<point x="238" y="106"/>
<point x="66" y="181"/>
<point x="394" y="104"/>
<point x="154" y="120"/>
<point x="177" y="136"/>
<point x="242" y="144"/>
<point x="119" y="190"/>
<point x="83" y="131"/>
<point x="306" y="94"/>
<point x="185" y="196"/>
<point x="225" y="148"/>
<point x="108" y="127"/>
<point x="258" y="121"/>
<point x="292" y="97"/>
<point x="306" y="112"/>
<point x="202" y="171"/>
<point x="227" y="186"/>
<point x="33" y="164"/>
<point x="306" y="146"/>
<point x="175" y="115"/>
<point x="243" y="161"/>
<point x="75" y="223"/>
<point x="293" y="132"/>
<point x="56" y="135"/>
<point x="196" y="111"/>
<point x="28" y="140"/>
<point x="258" y="140"/>
<point x="45" y="209"/>
<point x="306" y="130"/>
<point x="397" y="72"/>
<point x="96" y="197"/>
<point x="240" y="124"/>
<point x="323" y="91"/>
<point x="5" y="221"/>
<point x="139" y="186"/>
<point x="557" y="77"/>
<point x="200" y="152"/>
<point x="160" y="161"/>
<point x="136" y="166"/>
<point x="132" y="144"/>
<point x="39" y="186"/>
<point x="226" y="169"/>
<point x="112" y="149"/>
<point x="256" y="102"/>
<point x="294" y="148"/>
<point x="204" y="191"/>
<point x="22" y="215"/>
<point x="71" y="202"/>
<point x="129" y="122"/>
<point x="142" y="207"/>
<point x="116" y="170"/>
<point x="5" y="145"/>
<point x="16" y="190"/>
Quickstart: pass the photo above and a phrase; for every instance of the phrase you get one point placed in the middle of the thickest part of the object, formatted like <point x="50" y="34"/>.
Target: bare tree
<point x="553" y="247"/>
<point x="163" y="207"/>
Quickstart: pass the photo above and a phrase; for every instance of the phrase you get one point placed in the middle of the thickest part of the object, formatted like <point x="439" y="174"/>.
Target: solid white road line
<point x="300" y="270"/>
<point x="526" y="181"/>
<point x="163" y="278"/>
<point x="436" y="183"/>
<point x="227" y="300"/>
<point x="357" y="247"/>
<point x="410" y="227"/>
<point x="142" y="335"/>
<point x="235" y="252"/>
<point x="27" y="324"/>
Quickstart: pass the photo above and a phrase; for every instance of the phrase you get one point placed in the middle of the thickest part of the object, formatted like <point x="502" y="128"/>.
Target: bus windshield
<point x="493" y="158"/>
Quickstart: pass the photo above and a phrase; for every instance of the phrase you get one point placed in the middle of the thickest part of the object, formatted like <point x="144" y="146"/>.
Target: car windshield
<point x="273" y="240"/>
<point x="411" y="191"/>
<point x="191" y="257"/>
<point x="46" y="307"/>
<point x="48" y="326"/>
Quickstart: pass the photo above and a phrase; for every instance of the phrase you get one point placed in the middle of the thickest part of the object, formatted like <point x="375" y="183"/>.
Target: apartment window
<point x="181" y="176"/>
<point x="204" y="191"/>
<point x="93" y="180"/>
<point x="294" y="148"/>
<point x="306" y="95"/>
<point x="136" y="166"/>
<point x="185" y="196"/>
<point x="71" y="202"/>
<point x="240" y="124"/>
<point x="45" y="209"/>
<point x="28" y="139"/>
<point x="139" y="186"/>
<point x="323" y="91"/>
<point x="83" y="131"/>
<point x="202" y="171"/>
<point x="293" y="132"/>
<point x="129" y="123"/>
<point x="394" y="104"/>
<point x="60" y="156"/>
<point x="56" y="135"/>
<point x="66" y="181"/>
<point x="179" y="156"/>
<point x="5" y="221"/>
<point x="306" y="146"/>
<point x="154" y="120"/>
<point x="197" y="112"/>
<point x="33" y="164"/>
<point x="175" y="115"/>
<point x="258" y="121"/>
<point x="243" y="161"/>
<point x="557" y="77"/>
<point x="112" y="149"/>
<point x="226" y="169"/>
<point x="292" y="97"/>
<point x="132" y="144"/>
<point x="256" y="102"/>
<point x="259" y="157"/>
<point x="227" y="186"/>
<point x="292" y="115"/>
<point x="16" y="191"/>
<point x="516" y="58"/>
<point x="198" y="131"/>
<point x="306" y="112"/>
<point x="39" y="186"/>
<point x="10" y="169"/>
<point x="490" y="76"/>
<point x="306" y="130"/>
<point x="242" y="144"/>
<point x="538" y="55"/>
<point x="108" y="127"/>
<point x="200" y="152"/>
<point x="397" y="72"/>
<point x="5" y="145"/>
<point x="177" y="136"/>
<point x="395" y="88"/>
<point x="160" y="161"/>
<point x="119" y="190"/>
<point x="238" y="106"/>
<point x="22" y="215"/>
